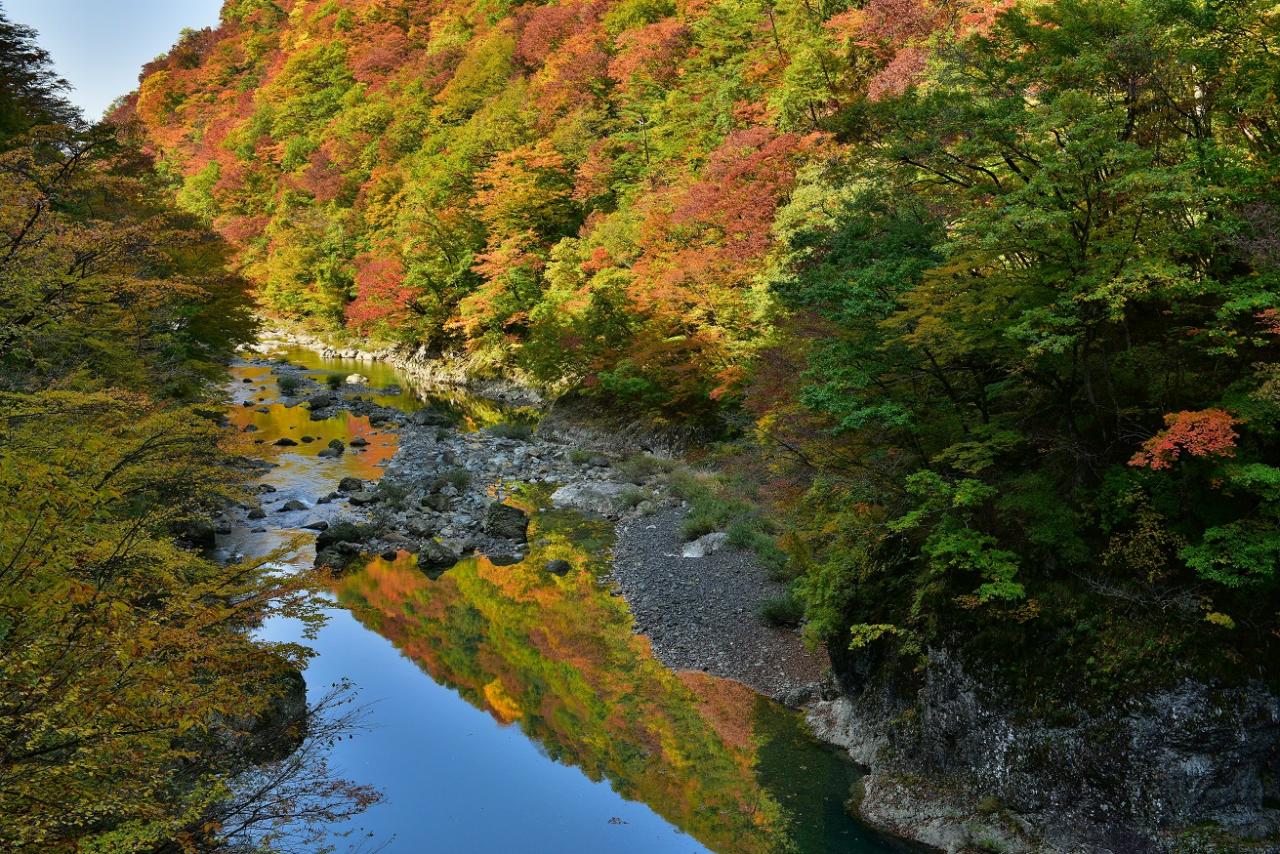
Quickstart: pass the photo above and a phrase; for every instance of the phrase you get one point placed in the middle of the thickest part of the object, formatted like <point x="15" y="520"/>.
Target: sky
<point x="99" y="46"/>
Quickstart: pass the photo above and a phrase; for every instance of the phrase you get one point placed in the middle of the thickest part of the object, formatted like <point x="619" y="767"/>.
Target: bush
<point x="512" y="430"/>
<point x="643" y="466"/>
<point x="335" y="381"/>
<point x="632" y="498"/>
<point x="785" y="610"/>
<point x="392" y="493"/>
<point x="579" y="456"/>
<point x="289" y="384"/>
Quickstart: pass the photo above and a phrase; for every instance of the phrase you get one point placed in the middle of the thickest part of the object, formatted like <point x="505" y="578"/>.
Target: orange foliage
<point x="1206" y="433"/>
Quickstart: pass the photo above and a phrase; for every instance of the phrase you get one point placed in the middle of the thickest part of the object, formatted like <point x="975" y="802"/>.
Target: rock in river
<point x="284" y="442"/>
<point x="503" y="520"/>
<point x="364" y="496"/>
<point x="351" y="484"/>
<point x="434" y="555"/>
<point x="559" y="567"/>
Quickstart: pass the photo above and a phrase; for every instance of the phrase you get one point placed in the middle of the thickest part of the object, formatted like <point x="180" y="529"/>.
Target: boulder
<point x="336" y="445"/>
<point x="291" y="505"/>
<point x="437" y="502"/>
<point x="342" y="531"/>
<point x="284" y="442"/>
<point x="257" y="513"/>
<point x="196" y="534"/>
<point x="502" y="559"/>
<point x="318" y="525"/>
<point x="363" y="497"/>
<point x="601" y="497"/>
<point x="359" y="442"/>
<point x="329" y="454"/>
<point x="321" y="400"/>
<point x="507" y="522"/>
<point x="705" y="545"/>
<point x="356" y="379"/>
<point x="351" y="484"/>
<point x="435" y="555"/>
<point x="559" y="567"/>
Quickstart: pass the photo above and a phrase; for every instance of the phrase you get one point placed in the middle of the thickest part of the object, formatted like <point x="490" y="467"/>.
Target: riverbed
<point x="511" y="709"/>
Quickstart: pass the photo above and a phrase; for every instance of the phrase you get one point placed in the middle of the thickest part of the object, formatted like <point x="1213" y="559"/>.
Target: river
<point x="511" y="710"/>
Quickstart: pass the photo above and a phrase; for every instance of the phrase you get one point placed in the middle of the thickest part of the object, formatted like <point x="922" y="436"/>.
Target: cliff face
<point x="954" y="764"/>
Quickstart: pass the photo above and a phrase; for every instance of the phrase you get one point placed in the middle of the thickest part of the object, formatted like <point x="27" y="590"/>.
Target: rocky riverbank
<point x="951" y="763"/>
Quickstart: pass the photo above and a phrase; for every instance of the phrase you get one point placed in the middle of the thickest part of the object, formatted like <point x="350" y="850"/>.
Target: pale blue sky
<point x="100" y="45"/>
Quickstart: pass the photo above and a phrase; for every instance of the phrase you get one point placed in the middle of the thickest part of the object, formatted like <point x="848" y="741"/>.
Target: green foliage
<point x="289" y="385"/>
<point x="784" y="610"/>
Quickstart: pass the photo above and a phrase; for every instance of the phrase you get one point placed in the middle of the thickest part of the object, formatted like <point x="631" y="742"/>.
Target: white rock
<point x="594" y="497"/>
<point x="705" y="545"/>
<point x="357" y="379"/>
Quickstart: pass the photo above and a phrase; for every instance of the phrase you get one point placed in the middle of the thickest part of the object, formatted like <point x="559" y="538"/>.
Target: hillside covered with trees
<point x="992" y="287"/>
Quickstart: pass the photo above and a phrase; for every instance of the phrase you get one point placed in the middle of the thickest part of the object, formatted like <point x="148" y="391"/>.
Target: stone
<point x="436" y="555"/>
<point x="342" y="531"/>
<point x="357" y="379"/>
<point x="704" y="545"/>
<point x="257" y="513"/>
<point x="363" y="497"/>
<point x="249" y="428"/>
<point x="559" y="567"/>
<point x="321" y="400"/>
<point x="601" y="497"/>
<point x="291" y="505"/>
<point x="503" y="559"/>
<point x="196" y="533"/>
<point x="329" y="454"/>
<point x="284" y="442"/>
<point x="507" y="522"/>
<point x="351" y="484"/>
<point x="437" y="502"/>
<point x="307" y="440"/>
<point x="336" y="445"/>
<point x="318" y="525"/>
<point x="359" y="442"/>
<point x="389" y="555"/>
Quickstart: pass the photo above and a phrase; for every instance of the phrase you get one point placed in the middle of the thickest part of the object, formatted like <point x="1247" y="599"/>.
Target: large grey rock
<point x="600" y="497"/>
<point x="351" y="484"/>
<point x="434" y="555"/>
<point x="1128" y="778"/>
<point x="705" y="545"/>
<point x="507" y="522"/>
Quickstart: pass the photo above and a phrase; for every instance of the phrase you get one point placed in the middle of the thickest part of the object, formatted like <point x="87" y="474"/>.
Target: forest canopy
<point x="993" y="284"/>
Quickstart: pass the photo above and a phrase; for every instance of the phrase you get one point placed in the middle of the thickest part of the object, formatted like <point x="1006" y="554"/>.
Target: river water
<point x="511" y="710"/>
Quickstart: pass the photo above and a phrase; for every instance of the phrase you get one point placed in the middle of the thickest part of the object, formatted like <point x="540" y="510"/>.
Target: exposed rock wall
<point x="953" y="765"/>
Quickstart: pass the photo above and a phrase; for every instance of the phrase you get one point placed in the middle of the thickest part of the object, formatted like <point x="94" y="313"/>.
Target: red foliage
<point x="381" y="294"/>
<point x="1203" y="433"/>
<point x="1270" y="320"/>
<point x="903" y="70"/>
<point x="322" y="177"/>
<point x="651" y="52"/>
<point x="544" y="28"/>
<point x="379" y="51"/>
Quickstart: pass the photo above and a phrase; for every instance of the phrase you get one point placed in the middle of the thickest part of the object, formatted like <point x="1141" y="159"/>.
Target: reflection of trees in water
<point x="558" y="656"/>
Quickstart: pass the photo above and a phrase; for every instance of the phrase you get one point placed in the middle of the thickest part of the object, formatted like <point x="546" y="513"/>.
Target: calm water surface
<point x="511" y="710"/>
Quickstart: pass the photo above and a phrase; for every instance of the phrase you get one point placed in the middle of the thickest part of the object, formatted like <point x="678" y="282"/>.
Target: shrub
<point x="335" y="381"/>
<point x="632" y="498"/>
<point x="289" y="384"/>
<point x="784" y="610"/>
<point x="643" y="466"/>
